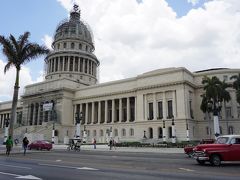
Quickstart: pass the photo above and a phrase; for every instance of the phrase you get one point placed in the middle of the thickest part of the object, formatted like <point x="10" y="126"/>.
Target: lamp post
<point x="78" y="118"/>
<point x="173" y="131"/>
<point x="53" y="129"/>
<point x="6" y="130"/>
<point x="216" y="107"/>
<point x="84" y="133"/>
<point x="144" y="135"/>
<point x="187" y="129"/>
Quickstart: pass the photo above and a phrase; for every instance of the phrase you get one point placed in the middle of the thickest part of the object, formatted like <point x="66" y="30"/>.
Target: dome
<point x="74" y="28"/>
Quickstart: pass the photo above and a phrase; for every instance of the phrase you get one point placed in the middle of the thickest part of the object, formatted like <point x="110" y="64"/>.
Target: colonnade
<point x="71" y="63"/>
<point x="108" y="111"/>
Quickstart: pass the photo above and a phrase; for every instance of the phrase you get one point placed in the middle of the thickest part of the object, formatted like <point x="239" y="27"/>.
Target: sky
<point x="131" y="36"/>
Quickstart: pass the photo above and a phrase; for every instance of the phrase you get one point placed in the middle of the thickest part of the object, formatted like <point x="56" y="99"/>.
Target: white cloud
<point x="47" y="41"/>
<point x="133" y="38"/>
<point x="193" y="2"/>
<point x="7" y="81"/>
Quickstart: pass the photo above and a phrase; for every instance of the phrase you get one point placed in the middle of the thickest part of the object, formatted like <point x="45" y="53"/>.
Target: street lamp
<point x="187" y="128"/>
<point x="173" y="131"/>
<point x="78" y="118"/>
<point x="164" y="132"/>
<point x="54" y="115"/>
<point x="216" y="107"/>
<point x="6" y="130"/>
<point x="144" y="134"/>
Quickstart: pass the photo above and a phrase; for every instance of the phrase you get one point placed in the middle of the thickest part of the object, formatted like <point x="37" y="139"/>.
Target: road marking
<point x="58" y="160"/>
<point x="87" y="168"/>
<point x="20" y="176"/>
<point x="185" y="169"/>
<point x="22" y="167"/>
<point x="70" y="167"/>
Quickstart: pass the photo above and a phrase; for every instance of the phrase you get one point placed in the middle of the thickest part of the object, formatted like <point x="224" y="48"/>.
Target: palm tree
<point x="19" y="52"/>
<point x="215" y="94"/>
<point x="236" y="85"/>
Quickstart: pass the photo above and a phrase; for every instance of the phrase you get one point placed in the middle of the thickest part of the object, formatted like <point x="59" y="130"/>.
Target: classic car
<point x="40" y="145"/>
<point x="189" y="148"/>
<point x="226" y="148"/>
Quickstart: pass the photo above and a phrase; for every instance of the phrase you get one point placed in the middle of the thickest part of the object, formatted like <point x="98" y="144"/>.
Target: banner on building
<point x="47" y="106"/>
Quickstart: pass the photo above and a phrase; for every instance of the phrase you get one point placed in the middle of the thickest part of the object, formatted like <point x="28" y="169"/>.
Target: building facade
<point x="143" y="108"/>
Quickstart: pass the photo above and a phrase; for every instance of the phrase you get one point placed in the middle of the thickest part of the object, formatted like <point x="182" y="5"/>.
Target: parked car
<point x="226" y="148"/>
<point x="39" y="145"/>
<point x="189" y="148"/>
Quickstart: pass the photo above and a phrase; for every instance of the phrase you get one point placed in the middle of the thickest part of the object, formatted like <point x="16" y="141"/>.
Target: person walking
<point x="9" y="145"/>
<point x="110" y="144"/>
<point x="25" y="145"/>
<point x="94" y="143"/>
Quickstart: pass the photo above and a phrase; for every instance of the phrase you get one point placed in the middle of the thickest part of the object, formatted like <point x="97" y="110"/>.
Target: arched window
<point x="160" y="133"/>
<point x="115" y="132"/>
<point x="131" y="132"/>
<point x="150" y="130"/>
<point x="64" y="45"/>
<point x="123" y="132"/>
<point x="86" y="48"/>
<point x="58" y="45"/>
<point x="80" y="46"/>
<point x="72" y="45"/>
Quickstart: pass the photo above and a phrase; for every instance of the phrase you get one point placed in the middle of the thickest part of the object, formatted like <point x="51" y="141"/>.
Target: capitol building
<point x="152" y="107"/>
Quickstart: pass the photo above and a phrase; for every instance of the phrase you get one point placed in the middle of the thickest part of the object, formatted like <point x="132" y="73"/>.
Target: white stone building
<point x="133" y="109"/>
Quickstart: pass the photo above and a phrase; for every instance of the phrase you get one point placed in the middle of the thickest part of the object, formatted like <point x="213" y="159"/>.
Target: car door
<point x="235" y="149"/>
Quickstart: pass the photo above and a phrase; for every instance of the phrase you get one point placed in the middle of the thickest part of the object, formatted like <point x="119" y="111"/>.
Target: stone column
<point x="128" y="109"/>
<point x="63" y="67"/>
<point x="93" y="109"/>
<point x="106" y="111"/>
<point x="68" y="65"/>
<point x="154" y="106"/>
<point x="164" y="106"/>
<point x="120" y="110"/>
<point x="99" y="112"/>
<point x="174" y="104"/>
<point x="59" y="63"/>
<point x="73" y="63"/>
<point x="83" y="65"/>
<point x="34" y="114"/>
<point x="113" y="111"/>
<point x="86" y="120"/>
<point x="39" y="109"/>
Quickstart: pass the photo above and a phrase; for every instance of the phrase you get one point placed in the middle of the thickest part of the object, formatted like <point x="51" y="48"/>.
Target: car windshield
<point x="222" y="140"/>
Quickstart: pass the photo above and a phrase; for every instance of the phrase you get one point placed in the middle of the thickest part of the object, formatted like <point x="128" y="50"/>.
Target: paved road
<point x="97" y="165"/>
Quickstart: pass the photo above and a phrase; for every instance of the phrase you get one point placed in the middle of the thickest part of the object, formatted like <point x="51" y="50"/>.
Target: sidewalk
<point x="18" y="149"/>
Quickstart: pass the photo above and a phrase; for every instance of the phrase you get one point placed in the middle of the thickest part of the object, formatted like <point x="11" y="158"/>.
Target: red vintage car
<point x="189" y="148"/>
<point x="226" y="148"/>
<point x="40" y="145"/>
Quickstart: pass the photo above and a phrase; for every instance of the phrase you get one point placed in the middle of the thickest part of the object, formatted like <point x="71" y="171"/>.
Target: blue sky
<point x="175" y="33"/>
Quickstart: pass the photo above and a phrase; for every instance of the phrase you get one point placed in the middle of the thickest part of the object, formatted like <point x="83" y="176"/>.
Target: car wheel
<point x="215" y="160"/>
<point x="201" y="162"/>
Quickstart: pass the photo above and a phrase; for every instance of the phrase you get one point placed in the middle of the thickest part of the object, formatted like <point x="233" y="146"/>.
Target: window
<point x="160" y="110"/>
<point x="58" y="45"/>
<point x="230" y="130"/>
<point x="150" y="111"/>
<point x="64" y="45"/>
<point x="115" y="132"/>
<point x="72" y="45"/>
<point x="228" y="112"/>
<point x="160" y="133"/>
<point x="150" y="133"/>
<point x="191" y="110"/>
<point x="80" y="46"/>
<point x="131" y="132"/>
<point x="86" y="48"/>
<point x="123" y="132"/>
<point x="170" y="132"/>
<point x="170" y="109"/>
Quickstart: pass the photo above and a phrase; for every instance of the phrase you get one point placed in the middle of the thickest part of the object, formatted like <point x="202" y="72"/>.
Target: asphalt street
<point x="96" y="165"/>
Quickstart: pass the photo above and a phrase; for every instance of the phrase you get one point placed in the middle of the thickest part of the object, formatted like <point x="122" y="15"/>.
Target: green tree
<point x="215" y="93"/>
<point x="18" y="52"/>
<point x="236" y="86"/>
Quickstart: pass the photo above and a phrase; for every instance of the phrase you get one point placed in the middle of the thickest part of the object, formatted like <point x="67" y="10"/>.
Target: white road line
<point x="9" y="174"/>
<point x="70" y="167"/>
<point x="21" y="176"/>
<point x="22" y="167"/>
<point x="58" y="160"/>
<point x="185" y="169"/>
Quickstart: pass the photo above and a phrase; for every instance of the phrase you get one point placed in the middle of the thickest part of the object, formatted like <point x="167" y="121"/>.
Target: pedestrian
<point x="9" y="145"/>
<point x="25" y="145"/>
<point x="110" y="144"/>
<point x="94" y="143"/>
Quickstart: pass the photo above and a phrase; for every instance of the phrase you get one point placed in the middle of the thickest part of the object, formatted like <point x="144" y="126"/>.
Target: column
<point x="135" y="108"/>
<point x="145" y="107"/>
<point x="63" y="67"/>
<point x="39" y="109"/>
<point x="68" y="65"/>
<point x="120" y="110"/>
<point x="86" y="120"/>
<point x="83" y="66"/>
<point x="106" y="111"/>
<point x="174" y="104"/>
<point x="113" y="111"/>
<point x="128" y="109"/>
<point x="99" y="112"/>
<point x="73" y="63"/>
<point x="93" y="109"/>
<point x="59" y="63"/>
<point x="164" y="106"/>
<point x="154" y="106"/>
<point x="34" y="114"/>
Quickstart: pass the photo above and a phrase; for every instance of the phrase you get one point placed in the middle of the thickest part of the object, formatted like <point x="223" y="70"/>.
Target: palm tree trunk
<point x="14" y="104"/>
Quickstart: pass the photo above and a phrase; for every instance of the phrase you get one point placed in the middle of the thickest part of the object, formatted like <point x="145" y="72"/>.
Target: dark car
<point x="40" y="145"/>
<point x="189" y="148"/>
